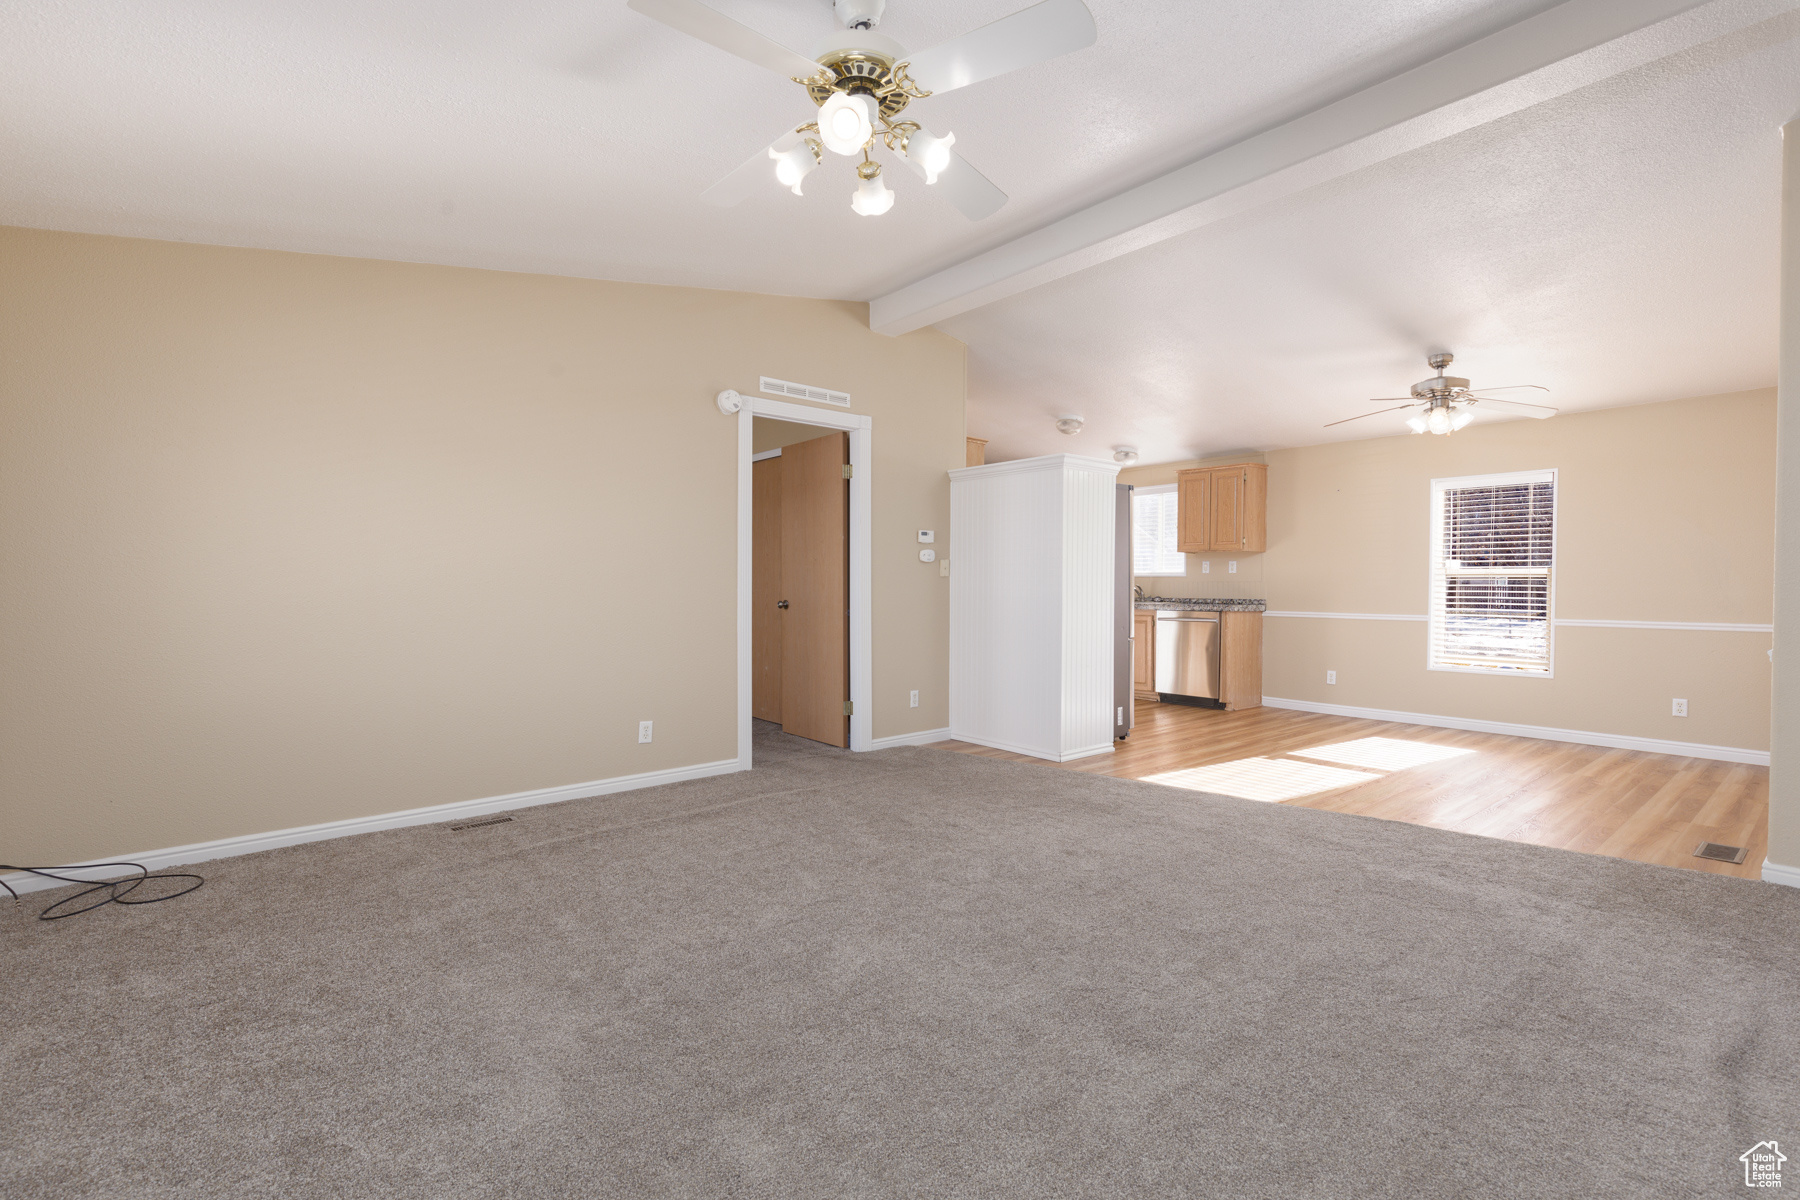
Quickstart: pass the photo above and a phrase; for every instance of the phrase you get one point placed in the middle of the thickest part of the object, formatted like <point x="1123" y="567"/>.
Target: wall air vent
<point x="800" y="391"/>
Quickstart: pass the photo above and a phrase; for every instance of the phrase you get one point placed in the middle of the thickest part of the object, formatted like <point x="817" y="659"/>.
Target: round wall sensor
<point x="729" y="401"/>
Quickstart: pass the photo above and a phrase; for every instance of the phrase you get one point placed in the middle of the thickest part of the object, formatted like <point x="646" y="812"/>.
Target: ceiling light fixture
<point x="872" y="197"/>
<point x="1067" y="424"/>
<point x="862" y="81"/>
<point x="1449" y="402"/>
<point x="791" y="166"/>
<point x="847" y="122"/>
<point x="1125" y="454"/>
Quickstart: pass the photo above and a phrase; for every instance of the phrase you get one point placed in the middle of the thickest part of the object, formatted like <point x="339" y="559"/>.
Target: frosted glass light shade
<point x="1462" y="418"/>
<point x="1438" y="421"/>
<point x="792" y="166"/>
<point x="1416" y="424"/>
<point x="931" y="153"/>
<point x="847" y="122"/>
<point x="872" y="197"/>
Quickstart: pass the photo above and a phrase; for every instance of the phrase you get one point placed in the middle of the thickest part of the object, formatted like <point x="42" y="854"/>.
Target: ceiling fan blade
<point x="1391" y="399"/>
<point x="1376" y="413"/>
<point x="756" y="171"/>
<point x="715" y="28"/>
<point x="1540" y="411"/>
<point x="973" y="194"/>
<point x="1513" y="387"/>
<point x="1031" y="35"/>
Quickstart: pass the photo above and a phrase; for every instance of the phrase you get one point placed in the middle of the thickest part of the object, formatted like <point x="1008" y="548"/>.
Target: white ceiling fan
<point x="862" y="81"/>
<point x="1449" y="403"/>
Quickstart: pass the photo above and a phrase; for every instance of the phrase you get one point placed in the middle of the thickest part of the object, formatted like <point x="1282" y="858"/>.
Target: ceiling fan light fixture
<point x="1438" y="420"/>
<point x="1416" y="424"/>
<point x="1462" y="418"/>
<point x="847" y="122"/>
<point x="872" y="196"/>
<point x="930" y="152"/>
<point x="792" y="166"/>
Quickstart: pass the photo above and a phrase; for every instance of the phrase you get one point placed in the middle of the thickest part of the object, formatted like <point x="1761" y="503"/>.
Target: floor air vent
<point x="800" y="391"/>
<point x="1718" y="853"/>
<point x="481" y="824"/>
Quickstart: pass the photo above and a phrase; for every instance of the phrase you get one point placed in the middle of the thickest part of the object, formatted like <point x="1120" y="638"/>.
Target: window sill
<point x="1504" y="672"/>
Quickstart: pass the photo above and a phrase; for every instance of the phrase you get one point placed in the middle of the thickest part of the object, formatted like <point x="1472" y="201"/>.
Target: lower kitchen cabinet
<point x="1143" y="654"/>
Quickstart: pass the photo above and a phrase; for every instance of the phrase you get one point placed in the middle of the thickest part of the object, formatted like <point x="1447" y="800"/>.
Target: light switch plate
<point x="927" y="535"/>
<point x="944" y="567"/>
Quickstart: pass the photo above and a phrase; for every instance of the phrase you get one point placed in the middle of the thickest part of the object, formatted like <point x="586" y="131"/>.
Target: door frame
<point x="862" y="643"/>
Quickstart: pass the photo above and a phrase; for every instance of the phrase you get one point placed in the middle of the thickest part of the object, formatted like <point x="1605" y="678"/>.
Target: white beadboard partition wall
<point x="1031" y="605"/>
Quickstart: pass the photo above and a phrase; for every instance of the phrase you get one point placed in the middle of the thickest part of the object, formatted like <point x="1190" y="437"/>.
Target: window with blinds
<point x="1153" y="515"/>
<point x="1493" y="549"/>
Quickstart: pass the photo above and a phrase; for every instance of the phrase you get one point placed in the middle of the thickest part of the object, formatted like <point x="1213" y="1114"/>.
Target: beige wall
<point x="1665" y="513"/>
<point x="287" y="539"/>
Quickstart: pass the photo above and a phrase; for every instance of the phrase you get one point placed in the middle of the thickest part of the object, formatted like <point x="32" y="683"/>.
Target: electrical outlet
<point x="915" y="700"/>
<point x="1331" y="677"/>
<point x="644" y="730"/>
<point x="1231" y="568"/>
<point x="1678" y="708"/>
<point x="1206" y="566"/>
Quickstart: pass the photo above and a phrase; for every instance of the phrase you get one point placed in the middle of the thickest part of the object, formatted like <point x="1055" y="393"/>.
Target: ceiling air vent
<point x="800" y="391"/>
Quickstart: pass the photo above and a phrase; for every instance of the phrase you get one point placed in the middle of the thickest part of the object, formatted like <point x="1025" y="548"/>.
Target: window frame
<point x="1155" y="489"/>
<point x="1433" y="551"/>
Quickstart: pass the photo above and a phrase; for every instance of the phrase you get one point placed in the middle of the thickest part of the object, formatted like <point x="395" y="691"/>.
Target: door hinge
<point x="849" y="471"/>
<point x="849" y="708"/>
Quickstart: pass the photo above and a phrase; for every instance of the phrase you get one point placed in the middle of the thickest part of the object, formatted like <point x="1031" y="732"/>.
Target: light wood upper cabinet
<point x="975" y="450"/>
<point x="1192" y="522"/>
<point x="1223" y="508"/>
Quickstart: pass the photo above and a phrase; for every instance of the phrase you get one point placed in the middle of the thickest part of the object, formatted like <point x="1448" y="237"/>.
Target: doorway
<point x="859" y="436"/>
<point x="800" y="580"/>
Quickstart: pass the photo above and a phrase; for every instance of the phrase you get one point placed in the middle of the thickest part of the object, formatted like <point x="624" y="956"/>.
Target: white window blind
<point x="1153" y="515"/>
<point x="1493" y="545"/>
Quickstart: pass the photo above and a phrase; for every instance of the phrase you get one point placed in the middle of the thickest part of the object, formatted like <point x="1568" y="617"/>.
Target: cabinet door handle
<point x="781" y="604"/>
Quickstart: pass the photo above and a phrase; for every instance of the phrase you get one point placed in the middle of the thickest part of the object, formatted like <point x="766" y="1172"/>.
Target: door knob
<point x="781" y="604"/>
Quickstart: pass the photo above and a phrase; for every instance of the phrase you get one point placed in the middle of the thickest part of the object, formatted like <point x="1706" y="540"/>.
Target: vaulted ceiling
<point x="1612" y="236"/>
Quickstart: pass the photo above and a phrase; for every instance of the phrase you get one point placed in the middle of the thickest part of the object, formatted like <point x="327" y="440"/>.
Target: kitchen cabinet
<point x="1222" y="508"/>
<point x="975" y="450"/>
<point x="1143" y="654"/>
<point x="1240" y="659"/>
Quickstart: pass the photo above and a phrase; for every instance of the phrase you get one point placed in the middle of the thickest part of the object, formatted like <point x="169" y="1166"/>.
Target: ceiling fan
<point x="1449" y="403"/>
<point x="861" y="82"/>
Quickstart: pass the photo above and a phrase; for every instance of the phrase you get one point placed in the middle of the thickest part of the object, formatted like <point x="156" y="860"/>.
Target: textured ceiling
<point x="1617" y="243"/>
<point x="576" y="137"/>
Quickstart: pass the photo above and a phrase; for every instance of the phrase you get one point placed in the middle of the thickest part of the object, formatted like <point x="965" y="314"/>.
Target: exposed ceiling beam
<point x="1564" y="48"/>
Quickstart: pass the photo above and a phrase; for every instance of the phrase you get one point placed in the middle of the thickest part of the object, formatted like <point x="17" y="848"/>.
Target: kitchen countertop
<point x="1201" y="605"/>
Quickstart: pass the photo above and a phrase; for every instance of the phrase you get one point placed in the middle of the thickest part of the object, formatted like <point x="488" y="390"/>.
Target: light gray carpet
<point x="913" y="973"/>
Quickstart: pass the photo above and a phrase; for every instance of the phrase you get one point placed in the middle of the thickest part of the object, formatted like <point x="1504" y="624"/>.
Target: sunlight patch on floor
<point x="1383" y="754"/>
<point x="1270" y="779"/>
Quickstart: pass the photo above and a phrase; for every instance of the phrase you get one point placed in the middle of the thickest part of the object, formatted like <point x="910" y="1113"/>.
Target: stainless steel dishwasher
<point x="1187" y="656"/>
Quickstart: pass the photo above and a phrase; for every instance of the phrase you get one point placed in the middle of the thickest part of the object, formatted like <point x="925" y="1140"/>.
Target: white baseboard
<point x="1035" y="751"/>
<point x="175" y="856"/>
<point x="1617" y="741"/>
<point x="1774" y="872"/>
<point x="922" y="738"/>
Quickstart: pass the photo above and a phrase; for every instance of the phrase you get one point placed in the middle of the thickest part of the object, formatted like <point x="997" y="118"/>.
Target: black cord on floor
<point x="116" y="889"/>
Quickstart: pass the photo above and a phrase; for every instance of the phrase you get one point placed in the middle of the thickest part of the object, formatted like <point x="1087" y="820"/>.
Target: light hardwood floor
<point x="1650" y="807"/>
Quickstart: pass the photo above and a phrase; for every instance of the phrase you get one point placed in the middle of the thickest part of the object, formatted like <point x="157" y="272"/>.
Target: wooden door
<point x="815" y="581"/>
<point x="1191" y="515"/>
<point x="1143" y="654"/>
<point x="1227" y="501"/>
<point x="765" y="590"/>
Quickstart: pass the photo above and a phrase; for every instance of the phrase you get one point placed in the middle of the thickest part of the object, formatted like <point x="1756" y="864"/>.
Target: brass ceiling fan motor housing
<point x="864" y="71"/>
